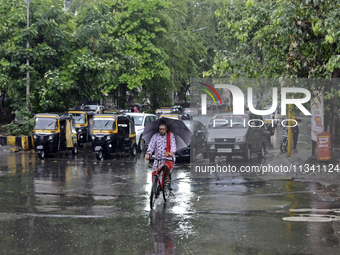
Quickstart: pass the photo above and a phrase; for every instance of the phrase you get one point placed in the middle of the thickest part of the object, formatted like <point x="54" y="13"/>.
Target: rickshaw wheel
<point x="99" y="155"/>
<point x="41" y="154"/>
<point x="134" y="150"/>
<point x="75" y="149"/>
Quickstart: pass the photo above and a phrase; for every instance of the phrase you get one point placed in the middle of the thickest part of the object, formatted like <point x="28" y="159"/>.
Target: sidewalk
<point x="309" y="169"/>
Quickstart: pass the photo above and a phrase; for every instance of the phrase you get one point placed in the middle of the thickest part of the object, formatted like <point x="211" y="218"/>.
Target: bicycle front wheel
<point x="166" y="191"/>
<point x="153" y="192"/>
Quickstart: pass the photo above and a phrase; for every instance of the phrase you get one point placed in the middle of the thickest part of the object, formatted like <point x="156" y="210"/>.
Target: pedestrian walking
<point x="295" y="131"/>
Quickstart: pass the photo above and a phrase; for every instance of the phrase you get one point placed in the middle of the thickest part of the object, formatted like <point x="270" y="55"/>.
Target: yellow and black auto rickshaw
<point x="53" y="133"/>
<point x="113" y="135"/>
<point x="83" y="122"/>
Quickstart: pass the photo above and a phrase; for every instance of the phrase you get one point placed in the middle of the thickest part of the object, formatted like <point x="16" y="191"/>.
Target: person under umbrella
<point x="163" y="144"/>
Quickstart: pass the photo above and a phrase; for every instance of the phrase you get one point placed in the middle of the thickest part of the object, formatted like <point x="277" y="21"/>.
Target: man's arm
<point x="151" y="147"/>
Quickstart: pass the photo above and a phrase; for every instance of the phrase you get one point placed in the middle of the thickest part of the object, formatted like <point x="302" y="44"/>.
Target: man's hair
<point x="162" y="122"/>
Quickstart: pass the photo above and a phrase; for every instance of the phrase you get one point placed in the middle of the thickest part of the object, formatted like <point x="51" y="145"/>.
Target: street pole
<point x="290" y="138"/>
<point x="27" y="60"/>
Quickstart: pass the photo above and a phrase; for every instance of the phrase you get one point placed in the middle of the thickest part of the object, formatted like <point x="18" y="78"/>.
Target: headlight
<point x="212" y="147"/>
<point x="236" y="147"/>
<point x="50" y="137"/>
<point x="240" y="139"/>
<point x="79" y="130"/>
<point x="93" y="137"/>
<point x="108" y="138"/>
<point x="210" y="139"/>
<point x="35" y="137"/>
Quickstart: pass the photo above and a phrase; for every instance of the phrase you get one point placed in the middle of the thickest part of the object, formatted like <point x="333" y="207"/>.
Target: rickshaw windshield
<point x="79" y="118"/>
<point x="43" y="123"/>
<point x="104" y="124"/>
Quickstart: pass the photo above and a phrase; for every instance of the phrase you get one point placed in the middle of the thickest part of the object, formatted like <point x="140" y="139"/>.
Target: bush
<point x="22" y="124"/>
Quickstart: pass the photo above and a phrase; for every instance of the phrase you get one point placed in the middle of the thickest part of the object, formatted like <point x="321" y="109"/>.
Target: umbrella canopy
<point x="177" y="127"/>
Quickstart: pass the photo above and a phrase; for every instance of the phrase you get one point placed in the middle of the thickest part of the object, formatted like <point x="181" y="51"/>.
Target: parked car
<point x="112" y="111"/>
<point x="204" y="119"/>
<point x="176" y="116"/>
<point x="230" y="135"/>
<point x="141" y="119"/>
<point x="98" y="109"/>
<point x="198" y="142"/>
<point x="192" y="111"/>
<point x="163" y="110"/>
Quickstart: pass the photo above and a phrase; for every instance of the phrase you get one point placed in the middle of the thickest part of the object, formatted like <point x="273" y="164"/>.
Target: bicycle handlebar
<point x="160" y="159"/>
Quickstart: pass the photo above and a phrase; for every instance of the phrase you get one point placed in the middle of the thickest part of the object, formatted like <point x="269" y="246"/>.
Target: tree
<point x="279" y="38"/>
<point x="289" y="39"/>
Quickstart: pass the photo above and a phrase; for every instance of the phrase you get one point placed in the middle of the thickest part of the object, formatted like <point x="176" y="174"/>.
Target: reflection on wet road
<point x="78" y="205"/>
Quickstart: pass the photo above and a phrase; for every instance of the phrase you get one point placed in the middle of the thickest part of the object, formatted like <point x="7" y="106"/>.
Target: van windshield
<point x="46" y="123"/>
<point x="229" y="121"/>
<point x="104" y="124"/>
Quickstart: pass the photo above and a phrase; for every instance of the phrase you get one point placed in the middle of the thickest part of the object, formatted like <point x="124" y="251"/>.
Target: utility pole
<point x="290" y="135"/>
<point x="27" y="60"/>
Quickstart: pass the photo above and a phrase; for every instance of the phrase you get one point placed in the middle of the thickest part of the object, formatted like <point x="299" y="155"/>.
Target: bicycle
<point x="159" y="186"/>
<point x="284" y="142"/>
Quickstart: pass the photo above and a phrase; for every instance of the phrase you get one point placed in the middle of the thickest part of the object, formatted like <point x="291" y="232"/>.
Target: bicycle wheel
<point x="283" y="146"/>
<point x="153" y="192"/>
<point x="166" y="191"/>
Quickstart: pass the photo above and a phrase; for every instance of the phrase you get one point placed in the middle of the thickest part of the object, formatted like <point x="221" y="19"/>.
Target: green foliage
<point x="22" y="125"/>
<point x="279" y="39"/>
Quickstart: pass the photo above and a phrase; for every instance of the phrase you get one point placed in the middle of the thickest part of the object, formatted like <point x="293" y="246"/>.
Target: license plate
<point x="224" y="150"/>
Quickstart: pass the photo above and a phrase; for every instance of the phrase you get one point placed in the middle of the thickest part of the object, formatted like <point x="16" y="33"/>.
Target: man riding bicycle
<point x="164" y="146"/>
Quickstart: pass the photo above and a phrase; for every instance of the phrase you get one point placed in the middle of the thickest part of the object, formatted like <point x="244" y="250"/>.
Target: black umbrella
<point x="177" y="127"/>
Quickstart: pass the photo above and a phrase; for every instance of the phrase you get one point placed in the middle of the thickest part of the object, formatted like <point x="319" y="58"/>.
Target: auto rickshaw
<point x="53" y="133"/>
<point x="83" y="122"/>
<point x="113" y="135"/>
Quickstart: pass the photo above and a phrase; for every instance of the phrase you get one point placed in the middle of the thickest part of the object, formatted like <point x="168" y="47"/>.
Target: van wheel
<point x="211" y="157"/>
<point x="247" y="154"/>
<point x="134" y="150"/>
<point x="75" y="149"/>
<point x="99" y="155"/>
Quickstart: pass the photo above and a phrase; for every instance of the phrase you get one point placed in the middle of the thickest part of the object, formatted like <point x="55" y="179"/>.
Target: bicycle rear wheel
<point x="153" y="192"/>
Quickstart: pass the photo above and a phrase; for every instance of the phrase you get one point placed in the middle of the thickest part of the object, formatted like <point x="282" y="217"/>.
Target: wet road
<point x="78" y="205"/>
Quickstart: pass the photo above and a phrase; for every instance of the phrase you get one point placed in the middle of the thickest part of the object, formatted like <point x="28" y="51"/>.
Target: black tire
<point x="153" y="192"/>
<point x="134" y="150"/>
<point x="99" y="155"/>
<point x="247" y="154"/>
<point x="75" y="149"/>
<point x="211" y="157"/>
<point x="41" y="154"/>
<point x="283" y="147"/>
<point x="192" y="154"/>
<point x="261" y="154"/>
<point x="141" y="145"/>
<point x="166" y="192"/>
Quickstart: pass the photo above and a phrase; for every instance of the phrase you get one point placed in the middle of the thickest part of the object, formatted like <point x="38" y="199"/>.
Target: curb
<point x="24" y="142"/>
